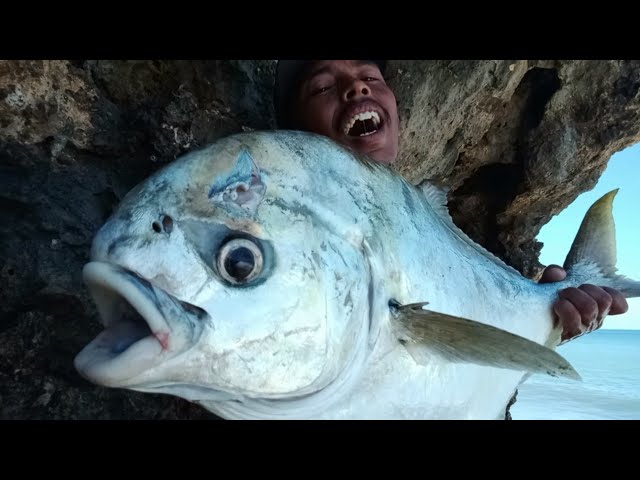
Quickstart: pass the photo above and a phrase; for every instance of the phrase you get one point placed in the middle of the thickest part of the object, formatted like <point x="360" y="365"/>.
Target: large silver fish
<point x="278" y="275"/>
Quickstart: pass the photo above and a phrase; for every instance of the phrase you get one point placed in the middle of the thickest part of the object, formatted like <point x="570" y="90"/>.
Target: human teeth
<point x="374" y="116"/>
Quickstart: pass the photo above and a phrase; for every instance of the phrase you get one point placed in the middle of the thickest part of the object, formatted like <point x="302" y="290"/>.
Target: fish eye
<point x="239" y="261"/>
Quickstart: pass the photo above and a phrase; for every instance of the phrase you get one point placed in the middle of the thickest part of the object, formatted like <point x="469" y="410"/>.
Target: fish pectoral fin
<point x="462" y="340"/>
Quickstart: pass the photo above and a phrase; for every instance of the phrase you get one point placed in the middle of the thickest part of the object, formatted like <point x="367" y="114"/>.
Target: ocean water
<point x="608" y="362"/>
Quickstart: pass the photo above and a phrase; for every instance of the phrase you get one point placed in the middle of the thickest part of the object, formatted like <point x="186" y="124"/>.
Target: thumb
<point x="553" y="273"/>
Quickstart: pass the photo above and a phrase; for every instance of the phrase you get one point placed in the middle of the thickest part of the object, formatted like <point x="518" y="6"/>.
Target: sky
<point x="623" y="172"/>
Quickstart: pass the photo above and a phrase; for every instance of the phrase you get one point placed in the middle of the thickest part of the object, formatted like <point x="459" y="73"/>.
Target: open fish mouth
<point x="137" y="335"/>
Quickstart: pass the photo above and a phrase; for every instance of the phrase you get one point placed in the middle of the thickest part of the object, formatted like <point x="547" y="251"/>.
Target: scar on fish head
<point x="242" y="186"/>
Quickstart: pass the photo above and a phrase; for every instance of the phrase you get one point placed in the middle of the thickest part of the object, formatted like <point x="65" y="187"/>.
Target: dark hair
<point x="289" y="75"/>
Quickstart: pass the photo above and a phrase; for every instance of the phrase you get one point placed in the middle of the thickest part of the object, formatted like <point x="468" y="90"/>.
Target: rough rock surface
<point x="516" y="141"/>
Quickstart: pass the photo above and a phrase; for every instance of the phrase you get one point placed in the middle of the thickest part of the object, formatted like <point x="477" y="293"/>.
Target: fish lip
<point x="98" y="362"/>
<point x="107" y="276"/>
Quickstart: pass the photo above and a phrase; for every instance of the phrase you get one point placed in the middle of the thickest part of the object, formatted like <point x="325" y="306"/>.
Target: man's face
<point x="349" y="101"/>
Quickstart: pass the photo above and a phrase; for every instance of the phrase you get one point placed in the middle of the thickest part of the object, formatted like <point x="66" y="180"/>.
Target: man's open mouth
<point x="362" y="124"/>
<point x="137" y="335"/>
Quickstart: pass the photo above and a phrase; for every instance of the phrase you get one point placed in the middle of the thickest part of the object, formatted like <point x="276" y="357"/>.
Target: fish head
<point x="226" y="276"/>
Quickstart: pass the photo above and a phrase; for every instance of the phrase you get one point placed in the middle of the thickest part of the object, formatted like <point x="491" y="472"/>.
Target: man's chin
<point x="366" y="143"/>
<point x="382" y="156"/>
<point x="374" y="145"/>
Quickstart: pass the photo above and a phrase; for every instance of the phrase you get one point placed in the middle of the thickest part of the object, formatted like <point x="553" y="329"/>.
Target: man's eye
<point x="318" y="90"/>
<point x="369" y="79"/>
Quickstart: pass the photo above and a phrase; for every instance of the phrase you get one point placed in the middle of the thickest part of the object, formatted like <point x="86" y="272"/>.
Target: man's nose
<point x="356" y="88"/>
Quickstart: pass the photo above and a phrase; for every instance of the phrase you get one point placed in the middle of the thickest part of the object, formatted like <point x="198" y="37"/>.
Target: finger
<point x="553" y="273"/>
<point x="602" y="298"/>
<point x="586" y="306"/>
<point x="569" y="318"/>
<point x="618" y="301"/>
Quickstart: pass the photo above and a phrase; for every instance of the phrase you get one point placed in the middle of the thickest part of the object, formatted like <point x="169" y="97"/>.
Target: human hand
<point x="582" y="309"/>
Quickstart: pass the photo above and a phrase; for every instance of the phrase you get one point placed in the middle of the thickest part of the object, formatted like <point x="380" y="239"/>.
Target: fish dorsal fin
<point x="436" y="195"/>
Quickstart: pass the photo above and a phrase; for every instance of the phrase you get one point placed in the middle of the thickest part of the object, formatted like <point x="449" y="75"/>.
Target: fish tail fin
<point x="593" y="254"/>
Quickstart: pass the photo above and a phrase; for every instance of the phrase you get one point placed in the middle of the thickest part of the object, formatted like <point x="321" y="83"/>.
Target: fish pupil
<point x="239" y="263"/>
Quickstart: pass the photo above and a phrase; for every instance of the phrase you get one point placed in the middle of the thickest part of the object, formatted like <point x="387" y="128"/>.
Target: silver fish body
<point x="258" y="278"/>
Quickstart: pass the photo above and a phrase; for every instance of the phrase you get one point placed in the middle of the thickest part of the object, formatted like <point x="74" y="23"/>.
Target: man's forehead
<point x="329" y="66"/>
